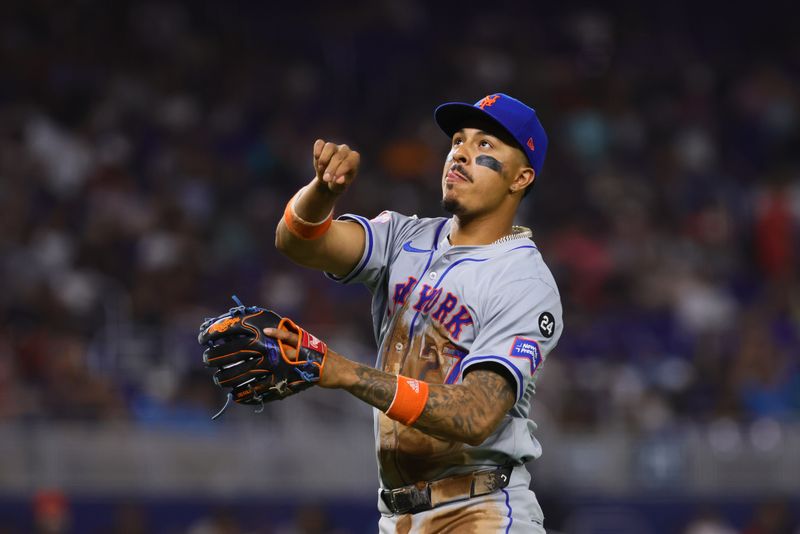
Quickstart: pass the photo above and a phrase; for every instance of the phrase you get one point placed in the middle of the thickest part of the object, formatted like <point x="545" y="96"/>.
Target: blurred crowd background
<point x="147" y="150"/>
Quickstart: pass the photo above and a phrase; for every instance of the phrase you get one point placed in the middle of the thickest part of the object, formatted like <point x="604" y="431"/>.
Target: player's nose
<point x="460" y="155"/>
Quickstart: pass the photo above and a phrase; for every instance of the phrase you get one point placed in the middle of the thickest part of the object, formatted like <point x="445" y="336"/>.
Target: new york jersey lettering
<point x="427" y="298"/>
<point x="445" y="307"/>
<point x="458" y="321"/>
<point x="401" y="291"/>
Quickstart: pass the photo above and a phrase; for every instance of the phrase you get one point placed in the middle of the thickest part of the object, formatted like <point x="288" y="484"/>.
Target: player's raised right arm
<point x="339" y="248"/>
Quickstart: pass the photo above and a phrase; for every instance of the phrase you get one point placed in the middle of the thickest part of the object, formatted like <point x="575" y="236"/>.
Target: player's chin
<point x="450" y="204"/>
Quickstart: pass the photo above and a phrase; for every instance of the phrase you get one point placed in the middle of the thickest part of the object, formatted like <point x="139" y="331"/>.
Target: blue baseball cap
<point x="519" y="120"/>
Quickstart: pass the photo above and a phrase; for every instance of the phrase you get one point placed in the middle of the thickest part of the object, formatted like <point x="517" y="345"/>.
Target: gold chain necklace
<point x="517" y="232"/>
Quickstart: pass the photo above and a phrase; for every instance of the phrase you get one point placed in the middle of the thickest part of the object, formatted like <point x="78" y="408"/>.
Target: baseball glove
<point x="254" y="367"/>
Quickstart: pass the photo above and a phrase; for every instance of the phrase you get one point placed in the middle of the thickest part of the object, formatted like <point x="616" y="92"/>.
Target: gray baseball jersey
<point x="439" y="309"/>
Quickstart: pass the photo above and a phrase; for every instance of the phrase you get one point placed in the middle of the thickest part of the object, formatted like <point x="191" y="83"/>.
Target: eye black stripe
<point x="489" y="162"/>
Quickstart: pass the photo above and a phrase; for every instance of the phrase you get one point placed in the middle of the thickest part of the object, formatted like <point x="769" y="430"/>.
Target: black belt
<point x="428" y="495"/>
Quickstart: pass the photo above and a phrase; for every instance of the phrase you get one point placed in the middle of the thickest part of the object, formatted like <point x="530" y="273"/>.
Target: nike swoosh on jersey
<point x="408" y="247"/>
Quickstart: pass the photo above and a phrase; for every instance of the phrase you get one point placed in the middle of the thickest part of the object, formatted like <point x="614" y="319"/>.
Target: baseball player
<point x="464" y="313"/>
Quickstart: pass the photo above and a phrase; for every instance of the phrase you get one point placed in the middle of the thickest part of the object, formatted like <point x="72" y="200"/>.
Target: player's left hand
<point x="254" y="366"/>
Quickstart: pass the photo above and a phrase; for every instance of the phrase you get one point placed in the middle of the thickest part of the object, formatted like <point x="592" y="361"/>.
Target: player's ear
<point x="525" y="177"/>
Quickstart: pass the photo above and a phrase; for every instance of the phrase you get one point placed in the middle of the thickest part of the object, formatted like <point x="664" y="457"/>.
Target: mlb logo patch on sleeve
<point x="528" y="349"/>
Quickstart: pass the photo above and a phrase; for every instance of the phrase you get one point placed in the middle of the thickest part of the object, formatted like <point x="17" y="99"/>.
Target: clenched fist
<point x="336" y="165"/>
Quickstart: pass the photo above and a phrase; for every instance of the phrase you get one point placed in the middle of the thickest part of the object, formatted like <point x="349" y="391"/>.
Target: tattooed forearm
<point x="370" y="385"/>
<point x="374" y="387"/>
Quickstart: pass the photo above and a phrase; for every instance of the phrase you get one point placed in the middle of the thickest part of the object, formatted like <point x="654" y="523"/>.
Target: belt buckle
<point x="490" y="480"/>
<point x="409" y="499"/>
<point x="399" y="500"/>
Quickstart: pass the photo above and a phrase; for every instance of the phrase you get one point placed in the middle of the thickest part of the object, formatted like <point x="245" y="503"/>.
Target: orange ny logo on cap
<point x="530" y="144"/>
<point x="488" y="101"/>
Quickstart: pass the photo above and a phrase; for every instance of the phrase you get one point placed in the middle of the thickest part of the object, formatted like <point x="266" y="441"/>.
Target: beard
<point x="453" y="206"/>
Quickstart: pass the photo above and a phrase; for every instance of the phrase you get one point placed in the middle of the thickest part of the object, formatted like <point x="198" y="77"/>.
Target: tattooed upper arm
<point x="495" y="368"/>
<point x="469" y="411"/>
<point x="494" y="387"/>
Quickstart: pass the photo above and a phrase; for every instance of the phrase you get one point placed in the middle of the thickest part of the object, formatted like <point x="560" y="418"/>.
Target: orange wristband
<point x="304" y="229"/>
<point x="409" y="400"/>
